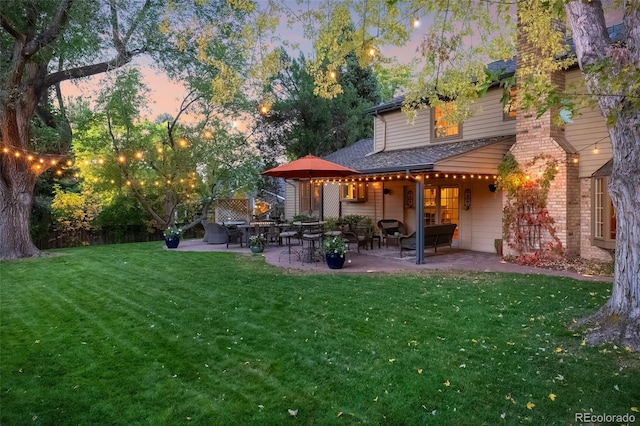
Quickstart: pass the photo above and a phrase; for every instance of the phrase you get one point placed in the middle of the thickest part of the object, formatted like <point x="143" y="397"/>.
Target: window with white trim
<point x="441" y="128"/>
<point x="604" y="215"/>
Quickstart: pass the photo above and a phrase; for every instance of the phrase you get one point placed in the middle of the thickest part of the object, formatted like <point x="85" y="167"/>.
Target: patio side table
<point x="375" y="237"/>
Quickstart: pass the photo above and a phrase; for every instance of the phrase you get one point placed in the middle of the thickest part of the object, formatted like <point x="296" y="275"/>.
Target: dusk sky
<point x="166" y="95"/>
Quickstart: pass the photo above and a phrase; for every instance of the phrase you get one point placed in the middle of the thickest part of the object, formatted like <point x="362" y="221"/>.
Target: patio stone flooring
<point x="387" y="260"/>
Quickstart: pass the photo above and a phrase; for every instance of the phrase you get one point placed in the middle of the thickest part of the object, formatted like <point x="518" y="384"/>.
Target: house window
<point x="604" y="216"/>
<point x="310" y="198"/>
<point x="443" y="129"/>
<point x="441" y="205"/>
<point x="356" y="192"/>
<point x="510" y="112"/>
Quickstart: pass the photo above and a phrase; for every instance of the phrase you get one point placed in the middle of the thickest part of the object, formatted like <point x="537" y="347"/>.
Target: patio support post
<point x="419" y="222"/>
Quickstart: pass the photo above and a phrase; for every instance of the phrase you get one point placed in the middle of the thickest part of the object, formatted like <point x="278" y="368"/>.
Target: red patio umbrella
<point x="309" y="167"/>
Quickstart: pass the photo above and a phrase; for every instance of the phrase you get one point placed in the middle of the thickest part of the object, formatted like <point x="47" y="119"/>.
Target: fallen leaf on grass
<point x="530" y="405"/>
<point x="293" y="412"/>
<point x="419" y="370"/>
<point x="635" y="409"/>
<point x="392" y="360"/>
<point x="552" y="396"/>
<point x="447" y="383"/>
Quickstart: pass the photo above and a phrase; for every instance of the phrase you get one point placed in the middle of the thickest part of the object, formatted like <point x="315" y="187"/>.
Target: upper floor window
<point x="443" y="129"/>
<point x="509" y="113"/>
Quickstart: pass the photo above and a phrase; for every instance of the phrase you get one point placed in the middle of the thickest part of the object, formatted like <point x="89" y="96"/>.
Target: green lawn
<point x="134" y="334"/>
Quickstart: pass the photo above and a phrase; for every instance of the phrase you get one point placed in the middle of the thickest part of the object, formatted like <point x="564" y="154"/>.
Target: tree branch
<point x="89" y="70"/>
<point x="52" y="32"/>
<point x="9" y="28"/>
<point x="139" y="16"/>
<point x="115" y="28"/>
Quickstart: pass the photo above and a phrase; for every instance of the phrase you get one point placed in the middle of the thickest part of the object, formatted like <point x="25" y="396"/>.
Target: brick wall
<point x="537" y="136"/>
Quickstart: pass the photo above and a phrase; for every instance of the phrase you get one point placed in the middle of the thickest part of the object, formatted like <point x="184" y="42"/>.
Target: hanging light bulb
<point x="415" y="22"/>
<point x="595" y="148"/>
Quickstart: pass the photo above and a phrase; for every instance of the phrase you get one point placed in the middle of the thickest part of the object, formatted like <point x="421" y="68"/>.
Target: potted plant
<point x="334" y="250"/>
<point x="172" y="236"/>
<point x="497" y="243"/>
<point x="257" y="243"/>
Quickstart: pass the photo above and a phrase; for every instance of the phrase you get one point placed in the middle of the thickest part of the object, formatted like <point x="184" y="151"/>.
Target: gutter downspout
<point x="419" y="197"/>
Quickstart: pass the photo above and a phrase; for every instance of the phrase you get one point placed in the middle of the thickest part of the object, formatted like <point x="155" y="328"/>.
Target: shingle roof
<point x="359" y="156"/>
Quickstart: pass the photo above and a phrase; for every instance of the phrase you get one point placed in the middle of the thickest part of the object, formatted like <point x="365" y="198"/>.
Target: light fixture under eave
<point x="415" y="22"/>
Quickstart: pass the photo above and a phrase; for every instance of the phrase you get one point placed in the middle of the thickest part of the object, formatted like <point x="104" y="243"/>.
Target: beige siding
<point x="483" y="160"/>
<point x="587" y="129"/>
<point x="291" y="199"/>
<point x="400" y="133"/>
<point x="488" y="119"/>
<point x="486" y="219"/>
<point x="393" y="203"/>
<point x="371" y="208"/>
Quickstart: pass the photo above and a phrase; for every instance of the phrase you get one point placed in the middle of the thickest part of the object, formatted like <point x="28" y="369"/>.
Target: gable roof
<point x="360" y="156"/>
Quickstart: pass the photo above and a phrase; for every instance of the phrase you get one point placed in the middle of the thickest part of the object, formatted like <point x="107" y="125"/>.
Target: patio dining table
<point x="259" y="228"/>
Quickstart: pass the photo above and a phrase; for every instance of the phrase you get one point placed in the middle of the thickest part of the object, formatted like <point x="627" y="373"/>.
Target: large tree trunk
<point x="17" y="182"/>
<point x="619" y="319"/>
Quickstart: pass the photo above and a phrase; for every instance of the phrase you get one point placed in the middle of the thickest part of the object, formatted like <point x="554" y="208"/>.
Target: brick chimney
<point x="537" y="136"/>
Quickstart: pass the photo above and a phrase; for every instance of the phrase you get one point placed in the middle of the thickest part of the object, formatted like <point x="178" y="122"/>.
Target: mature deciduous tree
<point x="46" y="42"/>
<point x="163" y="166"/>
<point x="612" y="76"/>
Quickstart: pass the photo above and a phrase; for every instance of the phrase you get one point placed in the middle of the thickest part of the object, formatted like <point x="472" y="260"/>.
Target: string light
<point x="391" y="177"/>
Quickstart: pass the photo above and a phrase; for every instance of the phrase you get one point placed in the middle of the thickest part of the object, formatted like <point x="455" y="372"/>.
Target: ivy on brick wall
<point x="527" y="227"/>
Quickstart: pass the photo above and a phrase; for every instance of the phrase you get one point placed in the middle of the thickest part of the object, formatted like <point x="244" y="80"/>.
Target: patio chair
<point x="390" y="227"/>
<point x="214" y="233"/>
<point x="273" y="234"/>
<point x="312" y="234"/>
<point x="234" y="235"/>
<point x="355" y="236"/>
<point x="285" y="238"/>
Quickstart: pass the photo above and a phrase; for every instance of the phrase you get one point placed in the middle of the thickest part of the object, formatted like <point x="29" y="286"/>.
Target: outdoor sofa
<point x="434" y="236"/>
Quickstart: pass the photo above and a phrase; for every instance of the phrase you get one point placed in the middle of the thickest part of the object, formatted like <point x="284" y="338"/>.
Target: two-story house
<point x="429" y="172"/>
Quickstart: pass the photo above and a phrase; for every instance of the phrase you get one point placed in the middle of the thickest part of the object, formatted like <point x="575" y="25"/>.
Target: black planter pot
<point x="172" y="242"/>
<point x="335" y="261"/>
